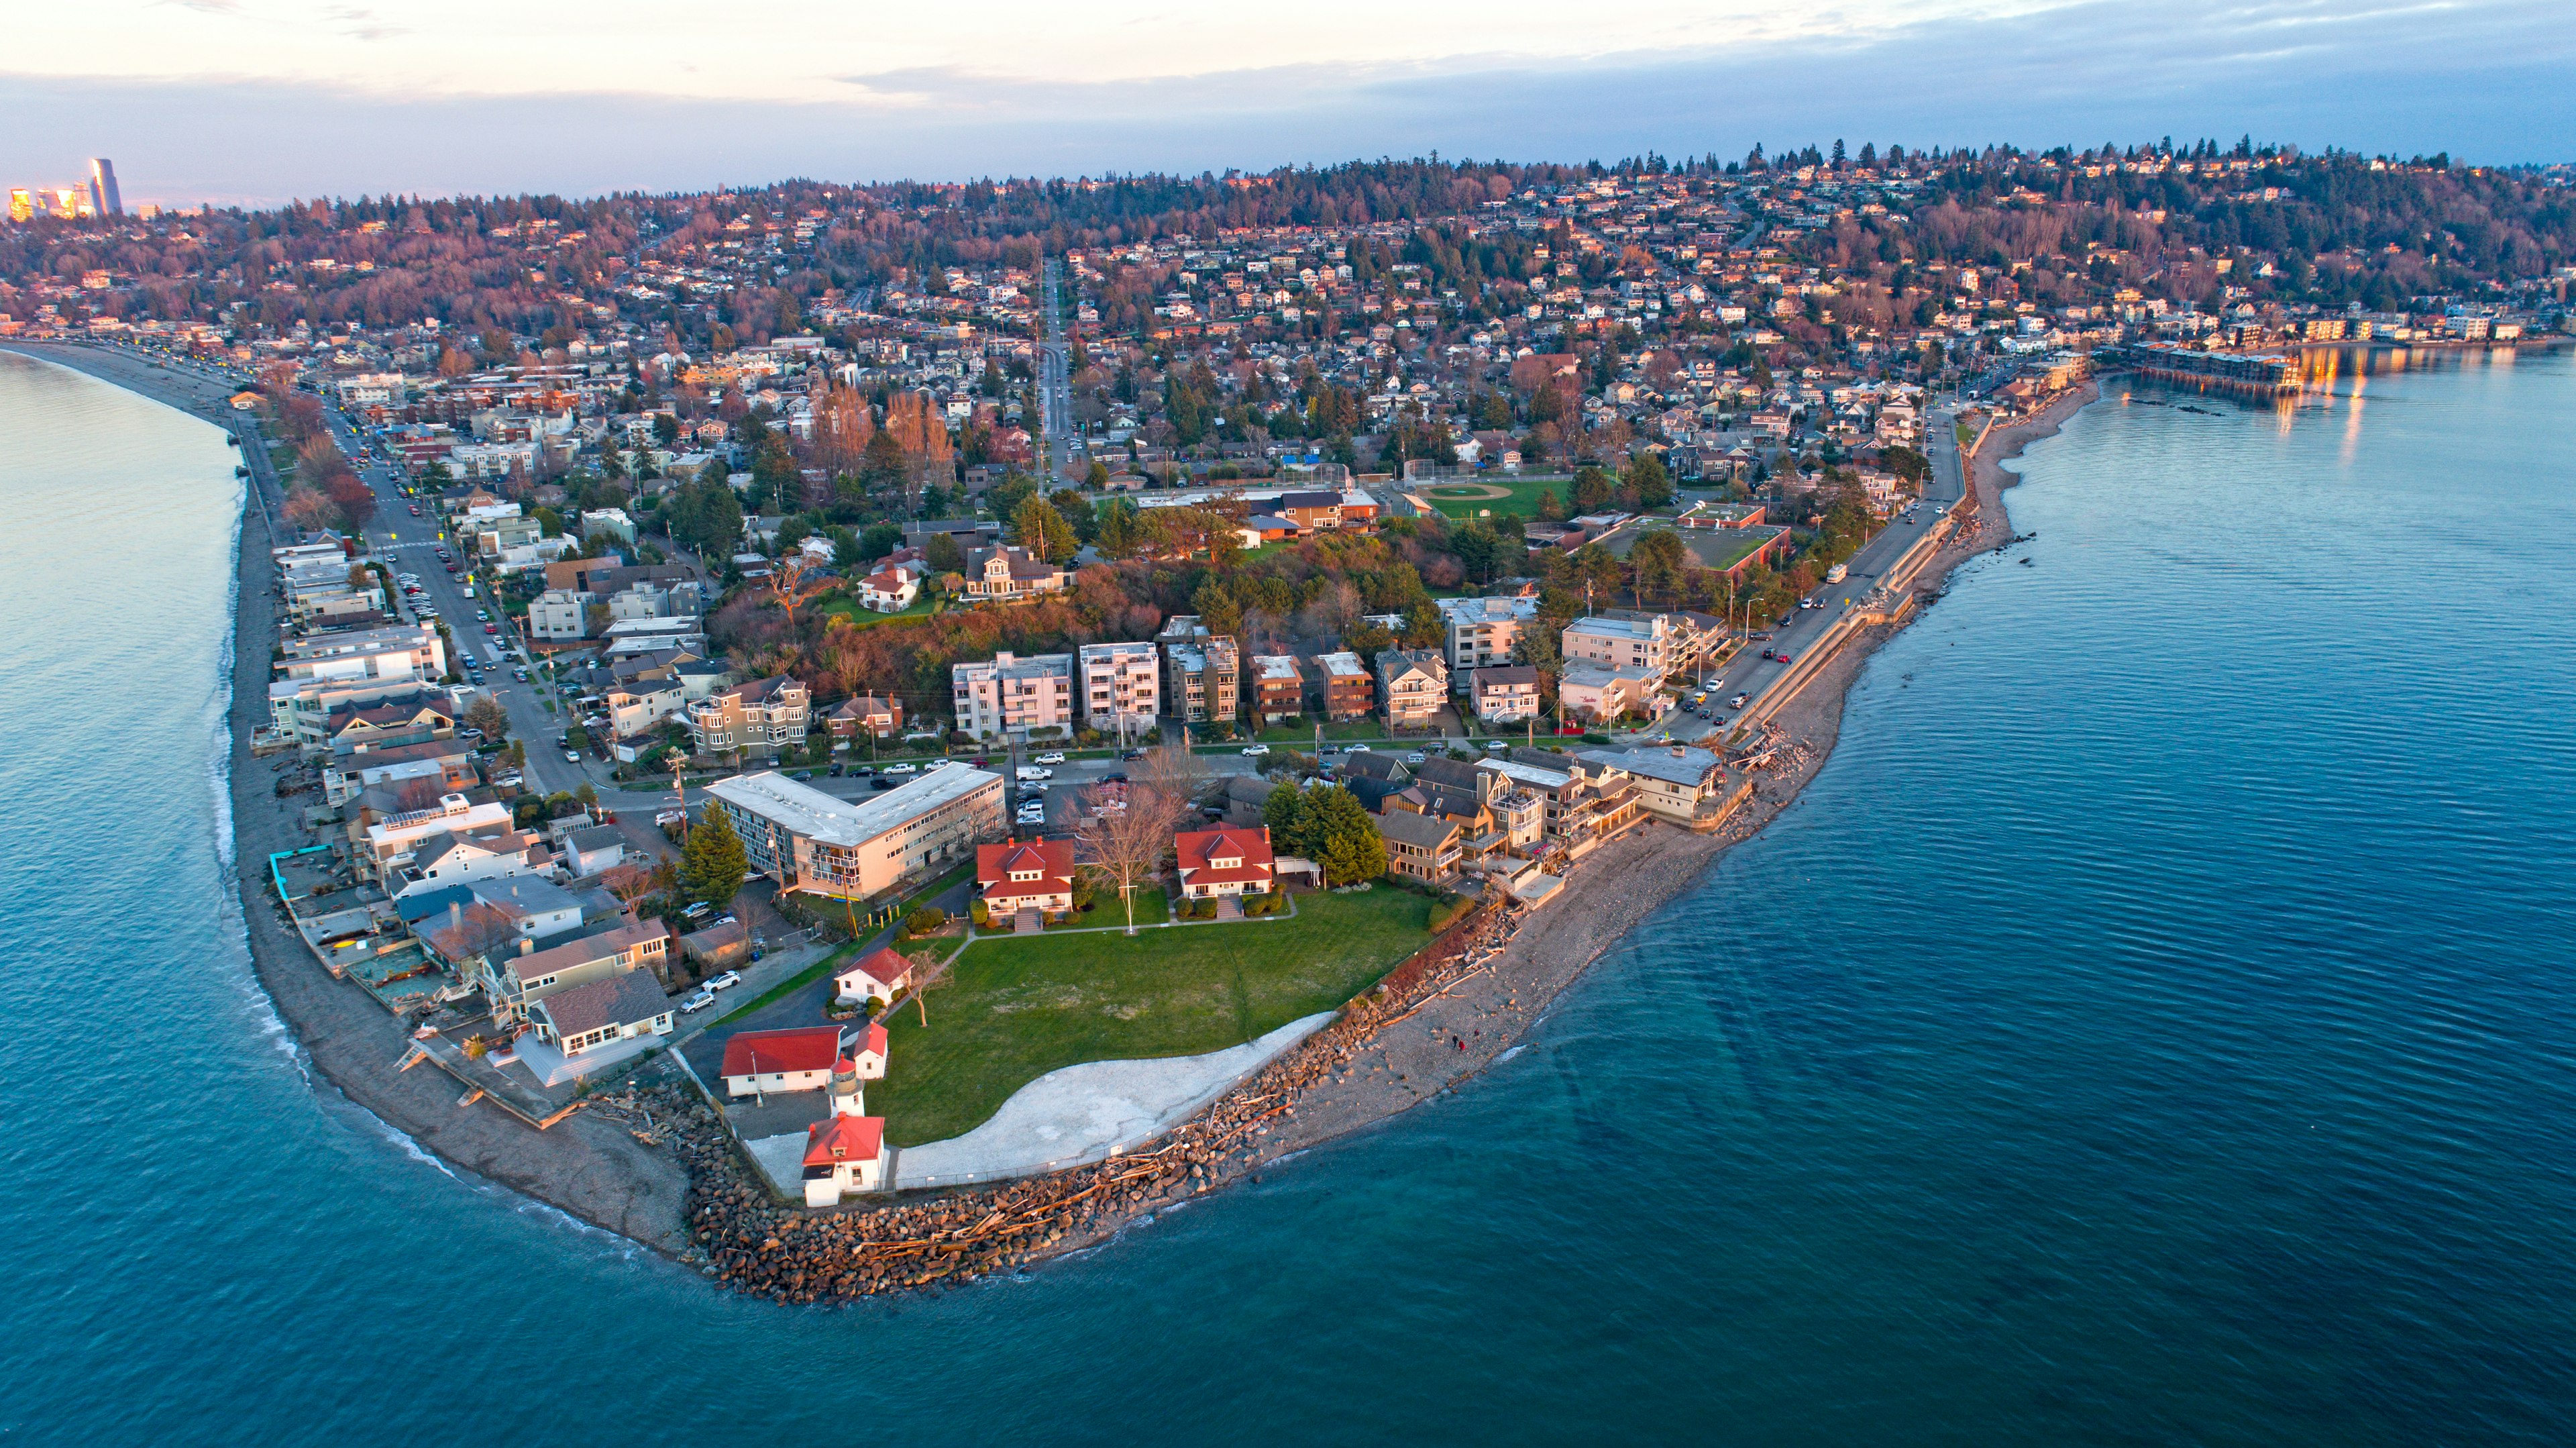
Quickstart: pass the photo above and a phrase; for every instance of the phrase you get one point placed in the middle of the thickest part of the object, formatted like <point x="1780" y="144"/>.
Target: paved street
<point x="1750" y="673"/>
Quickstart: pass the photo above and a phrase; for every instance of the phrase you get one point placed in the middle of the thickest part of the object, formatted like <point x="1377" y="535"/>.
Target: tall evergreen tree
<point x="713" y="866"/>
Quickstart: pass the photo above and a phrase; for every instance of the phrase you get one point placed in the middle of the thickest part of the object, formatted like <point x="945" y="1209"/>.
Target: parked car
<point x="901" y="767"/>
<point x="729" y="979"/>
<point x="836" y="771"/>
<point x="1738" y="701"/>
<point x="1497" y="746"/>
<point x="1787" y="659"/>
<point x="1028" y="772"/>
<point x="694" y="911"/>
<point x="492" y="628"/>
<point x="880" y="782"/>
<point x="571" y="757"/>
<point x="1414" y="758"/>
<point x="1115" y="776"/>
<point x="697" y="1000"/>
<point x="1050" y="758"/>
<point x="1255" y="751"/>
<point x="1133" y="754"/>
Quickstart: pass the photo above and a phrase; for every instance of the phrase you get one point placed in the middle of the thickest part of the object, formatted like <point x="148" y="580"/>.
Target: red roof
<point x="839" y="1140"/>
<point x="1197" y="847"/>
<point x="995" y="864"/>
<point x="873" y="1039"/>
<point x="766" y="1053"/>
<point x="883" y="966"/>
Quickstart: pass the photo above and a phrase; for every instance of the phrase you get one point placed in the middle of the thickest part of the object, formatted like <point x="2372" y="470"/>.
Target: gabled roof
<point x="881" y="965"/>
<point x="1197" y="847"/>
<point x="762" y="1053"/>
<point x="841" y="1140"/>
<point x="995" y="864"/>
<point x="1421" y="831"/>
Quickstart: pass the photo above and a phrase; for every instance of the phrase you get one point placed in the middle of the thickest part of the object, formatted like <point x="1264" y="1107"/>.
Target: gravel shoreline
<point x="591" y="1169"/>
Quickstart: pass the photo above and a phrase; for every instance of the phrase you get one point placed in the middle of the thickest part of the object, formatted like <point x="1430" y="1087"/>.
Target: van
<point x="1837" y="573"/>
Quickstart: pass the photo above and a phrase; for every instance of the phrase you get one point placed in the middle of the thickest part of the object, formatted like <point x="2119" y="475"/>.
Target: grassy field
<point x="1523" y="497"/>
<point x="1016" y="1008"/>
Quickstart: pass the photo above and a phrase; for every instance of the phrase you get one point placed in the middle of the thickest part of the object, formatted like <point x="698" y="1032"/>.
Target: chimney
<point x="455" y="914"/>
<point x="527" y="946"/>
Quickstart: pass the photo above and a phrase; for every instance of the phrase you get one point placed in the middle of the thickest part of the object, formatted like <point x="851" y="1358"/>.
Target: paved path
<point x="1090" y="1112"/>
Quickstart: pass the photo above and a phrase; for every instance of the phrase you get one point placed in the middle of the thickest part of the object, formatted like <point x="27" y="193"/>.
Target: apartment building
<point x="808" y="841"/>
<point x="1412" y="686"/>
<point x="1122" y="687"/>
<point x="1597" y="692"/>
<point x="1007" y="692"/>
<point x="1278" y="687"/>
<point x="763" y="716"/>
<point x="1647" y="642"/>
<point x="1202" y="673"/>
<point x="1343" y="681"/>
<point x="1482" y="632"/>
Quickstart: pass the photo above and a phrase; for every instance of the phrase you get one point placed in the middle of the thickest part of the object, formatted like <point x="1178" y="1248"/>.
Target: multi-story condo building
<point x="1646" y="643"/>
<point x="1122" y="687"/>
<point x="765" y="715"/>
<point x="807" y="841"/>
<point x="1202" y="672"/>
<point x="1349" y="692"/>
<point x="1483" y="631"/>
<point x="1278" y="689"/>
<point x="1006" y="692"/>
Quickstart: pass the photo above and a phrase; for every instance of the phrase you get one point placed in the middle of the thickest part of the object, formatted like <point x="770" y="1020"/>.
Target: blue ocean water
<point x="2152" y="1027"/>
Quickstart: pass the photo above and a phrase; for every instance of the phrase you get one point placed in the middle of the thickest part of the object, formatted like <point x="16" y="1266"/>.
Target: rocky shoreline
<point x="652" y="1162"/>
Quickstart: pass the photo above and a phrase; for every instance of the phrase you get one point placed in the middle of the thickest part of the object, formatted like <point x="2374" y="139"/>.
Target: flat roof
<point x="808" y="811"/>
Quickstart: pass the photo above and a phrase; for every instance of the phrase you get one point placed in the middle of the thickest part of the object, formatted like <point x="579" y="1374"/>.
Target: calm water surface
<point x="2153" y="1027"/>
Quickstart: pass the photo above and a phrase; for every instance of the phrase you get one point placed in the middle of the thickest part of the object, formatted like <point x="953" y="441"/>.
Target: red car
<point x="491" y="628"/>
<point x="1784" y="658"/>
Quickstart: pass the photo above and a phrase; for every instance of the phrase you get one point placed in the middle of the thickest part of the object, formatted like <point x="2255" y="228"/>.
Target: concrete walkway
<point x="1091" y="1112"/>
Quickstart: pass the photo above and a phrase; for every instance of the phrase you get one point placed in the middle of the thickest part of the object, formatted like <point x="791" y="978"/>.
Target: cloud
<point x="207" y="7"/>
<point x="2485" y="81"/>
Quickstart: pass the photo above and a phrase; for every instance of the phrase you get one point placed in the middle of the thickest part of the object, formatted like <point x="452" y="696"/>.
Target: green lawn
<point x="1153" y="907"/>
<point x="847" y="606"/>
<point x="1523" y="497"/>
<point x="1015" y="1008"/>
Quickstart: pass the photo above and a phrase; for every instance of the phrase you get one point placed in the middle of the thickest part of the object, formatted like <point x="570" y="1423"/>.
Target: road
<point x="1055" y="388"/>
<point x="1749" y="673"/>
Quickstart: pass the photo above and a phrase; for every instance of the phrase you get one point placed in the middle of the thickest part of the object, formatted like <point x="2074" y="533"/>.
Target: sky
<point x="253" y="101"/>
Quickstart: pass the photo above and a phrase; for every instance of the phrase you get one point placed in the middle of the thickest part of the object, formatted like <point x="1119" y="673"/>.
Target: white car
<point x="1050" y="759"/>
<point x="697" y="1000"/>
<point x="1255" y="750"/>
<point x="572" y="756"/>
<point x="726" y="981"/>
<point x="900" y="768"/>
<point x="1028" y="772"/>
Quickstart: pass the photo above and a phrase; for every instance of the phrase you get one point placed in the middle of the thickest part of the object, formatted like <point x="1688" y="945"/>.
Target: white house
<point x="890" y="590"/>
<point x="761" y="1062"/>
<point x="881" y="974"/>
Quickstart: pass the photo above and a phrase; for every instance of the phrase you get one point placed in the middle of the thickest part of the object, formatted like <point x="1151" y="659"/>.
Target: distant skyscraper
<point x="22" y="203"/>
<point x="102" y="187"/>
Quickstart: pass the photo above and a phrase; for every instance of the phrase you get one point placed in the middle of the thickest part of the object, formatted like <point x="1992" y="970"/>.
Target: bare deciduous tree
<point x="1124" y="833"/>
<point x="629" y="883"/>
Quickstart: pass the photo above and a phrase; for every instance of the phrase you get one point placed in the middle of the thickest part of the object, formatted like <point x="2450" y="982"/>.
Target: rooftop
<point x="809" y="811"/>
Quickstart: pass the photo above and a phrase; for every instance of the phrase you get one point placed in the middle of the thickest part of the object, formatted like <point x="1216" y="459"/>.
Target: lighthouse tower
<point x="846" y="1097"/>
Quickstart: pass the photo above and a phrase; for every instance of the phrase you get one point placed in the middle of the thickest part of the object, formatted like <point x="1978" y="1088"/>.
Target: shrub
<point x="925" y="920"/>
<point x="980" y="912"/>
